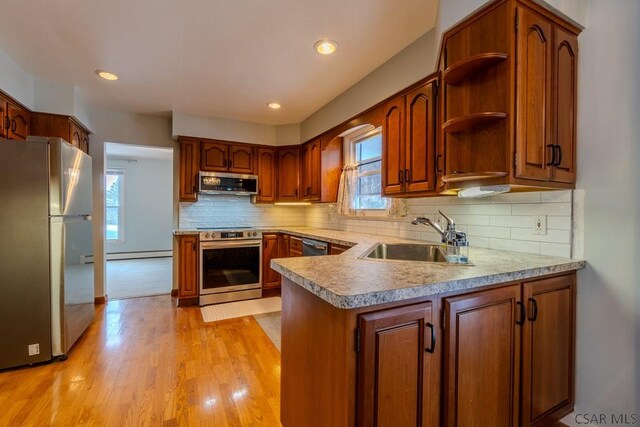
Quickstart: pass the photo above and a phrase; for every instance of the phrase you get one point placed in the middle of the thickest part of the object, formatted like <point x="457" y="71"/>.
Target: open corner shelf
<point x="465" y="68"/>
<point x="463" y="123"/>
<point x="472" y="176"/>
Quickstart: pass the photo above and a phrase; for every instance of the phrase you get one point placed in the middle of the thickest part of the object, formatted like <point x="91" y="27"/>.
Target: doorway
<point x="138" y="220"/>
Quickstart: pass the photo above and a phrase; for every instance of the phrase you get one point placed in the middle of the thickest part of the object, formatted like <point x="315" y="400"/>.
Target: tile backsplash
<point x="237" y="211"/>
<point x="504" y="222"/>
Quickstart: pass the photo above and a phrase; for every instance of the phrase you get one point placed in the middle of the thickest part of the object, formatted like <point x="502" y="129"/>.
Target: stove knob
<point x="206" y="235"/>
<point x="255" y="233"/>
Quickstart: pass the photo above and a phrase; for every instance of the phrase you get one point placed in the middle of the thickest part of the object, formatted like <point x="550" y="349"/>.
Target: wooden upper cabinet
<point x="420" y="139"/>
<point x="241" y="159"/>
<point x="187" y="266"/>
<point x="289" y="174"/>
<point x="5" y="123"/>
<point x="214" y="156"/>
<point x="565" y="60"/>
<point x="266" y="171"/>
<point x="396" y="368"/>
<point x="75" y="135"/>
<point x="548" y="349"/>
<point x="311" y="173"/>
<point x="270" y="250"/>
<point x="393" y="127"/>
<point x="189" y="164"/>
<point x="482" y="358"/>
<point x="19" y="121"/>
<point x="534" y="147"/>
<point x="84" y="142"/>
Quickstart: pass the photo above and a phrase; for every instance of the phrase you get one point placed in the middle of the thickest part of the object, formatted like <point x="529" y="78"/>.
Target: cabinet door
<point x="548" y="348"/>
<point x="270" y="250"/>
<point x="395" y="366"/>
<point x="283" y="241"/>
<point x="5" y="123"/>
<point x="305" y="171"/>
<point x="393" y="147"/>
<point x="241" y="159"/>
<point x="335" y="249"/>
<point x="534" y="143"/>
<point x="420" y="139"/>
<point x="214" y="156"/>
<point x="75" y="134"/>
<point x="84" y="143"/>
<point x="313" y="172"/>
<point x="266" y="175"/>
<point x="187" y="266"/>
<point x="288" y="174"/>
<point x="19" y="120"/>
<point x="295" y="247"/>
<point x="482" y="358"/>
<point x="565" y="59"/>
<point x="189" y="163"/>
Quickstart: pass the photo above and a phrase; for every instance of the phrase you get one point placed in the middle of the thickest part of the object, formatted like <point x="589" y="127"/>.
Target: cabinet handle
<point x="14" y="125"/>
<point x="7" y="122"/>
<point x="534" y="316"/>
<point x="559" y="147"/>
<point x="230" y="163"/>
<point x="438" y="168"/>
<point x="400" y="176"/>
<point x="296" y="192"/>
<point x="407" y="176"/>
<point x="431" y="348"/>
<point x="553" y="155"/>
<point x="523" y="313"/>
<point x="194" y="189"/>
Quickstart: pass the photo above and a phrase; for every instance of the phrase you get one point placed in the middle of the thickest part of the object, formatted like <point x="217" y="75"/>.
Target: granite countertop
<point x="347" y="281"/>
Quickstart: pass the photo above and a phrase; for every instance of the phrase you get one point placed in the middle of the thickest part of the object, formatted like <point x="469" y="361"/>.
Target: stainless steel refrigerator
<point x="46" y="249"/>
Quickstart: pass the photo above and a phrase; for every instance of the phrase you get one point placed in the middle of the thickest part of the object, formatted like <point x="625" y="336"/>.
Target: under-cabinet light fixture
<point x="477" y="192"/>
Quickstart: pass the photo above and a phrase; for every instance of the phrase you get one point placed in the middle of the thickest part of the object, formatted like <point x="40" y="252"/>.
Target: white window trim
<point x="120" y="239"/>
<point x="349" y="141"/>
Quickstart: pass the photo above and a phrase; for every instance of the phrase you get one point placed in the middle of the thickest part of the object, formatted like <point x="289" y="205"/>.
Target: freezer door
<point x="25" y="308"/>
<point x="72" y="289"/>
<point x="69" y="179"/>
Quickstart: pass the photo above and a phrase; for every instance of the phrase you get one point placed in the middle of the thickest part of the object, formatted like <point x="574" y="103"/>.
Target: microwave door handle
<point x="230" y="244"/>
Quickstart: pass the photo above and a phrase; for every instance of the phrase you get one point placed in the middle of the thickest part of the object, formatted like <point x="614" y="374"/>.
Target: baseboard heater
<point x="130" y="255"/>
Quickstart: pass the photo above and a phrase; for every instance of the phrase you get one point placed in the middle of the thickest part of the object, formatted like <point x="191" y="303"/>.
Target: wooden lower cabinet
<point x="188" y="267"/>
<point x="270" y="250"/>
<point x="482" y="358"/>
<point x="335" y="249"/>
<point x="396" y="366"/>
<point x="497" y="357"/>
<point x="548" y="350"/>
<point x="295" y="246"/>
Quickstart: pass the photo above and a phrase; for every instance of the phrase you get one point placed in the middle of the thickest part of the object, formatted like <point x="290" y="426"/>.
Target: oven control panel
<point x="230" y="235"/>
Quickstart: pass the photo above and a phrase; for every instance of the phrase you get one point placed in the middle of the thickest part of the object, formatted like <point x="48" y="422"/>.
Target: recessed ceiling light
<point x="274" y="105"/>
<point x="325" y="46"/>
<point x="106" y="75"/>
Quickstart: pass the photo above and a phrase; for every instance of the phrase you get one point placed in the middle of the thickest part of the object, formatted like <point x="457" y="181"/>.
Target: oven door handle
<point x="236" y="244"/>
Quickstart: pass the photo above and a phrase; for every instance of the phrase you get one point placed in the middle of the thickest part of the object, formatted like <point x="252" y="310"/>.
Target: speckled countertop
<point x="346" y="281"/>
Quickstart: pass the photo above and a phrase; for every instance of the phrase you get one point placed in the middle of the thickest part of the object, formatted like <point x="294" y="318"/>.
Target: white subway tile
<point x="532" y="197"/>
<point x="558" y="209"/>
<point x="559" y="222"/>
<point x="495" y="209"/>
<point x="482" y="231"/>
<point x="557" y="196"/>
<point x="512" y="221"/>
<point x="552" y="236"/>
<point x="555" y="249"/>
<point x="515" y="245"/>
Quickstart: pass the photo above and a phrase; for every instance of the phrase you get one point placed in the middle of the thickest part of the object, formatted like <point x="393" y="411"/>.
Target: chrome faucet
<point x="450" y="236"/>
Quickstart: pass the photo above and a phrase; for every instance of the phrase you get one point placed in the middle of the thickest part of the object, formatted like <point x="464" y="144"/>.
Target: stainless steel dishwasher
<point x="314" y="247"/>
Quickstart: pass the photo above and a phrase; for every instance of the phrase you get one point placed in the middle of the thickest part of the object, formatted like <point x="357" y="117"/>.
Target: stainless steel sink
<point x="407" y="252"/>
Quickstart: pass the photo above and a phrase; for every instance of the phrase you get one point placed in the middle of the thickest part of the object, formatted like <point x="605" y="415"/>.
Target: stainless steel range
<point x="230" y="264"/>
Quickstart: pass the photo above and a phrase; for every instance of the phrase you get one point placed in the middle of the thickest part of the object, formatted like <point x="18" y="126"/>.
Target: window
<point x="366" y="151"/>
<point x="114" y="204"/>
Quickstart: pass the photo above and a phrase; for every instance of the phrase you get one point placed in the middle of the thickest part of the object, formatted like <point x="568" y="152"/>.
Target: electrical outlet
<point x="34" y="349"/>
<point x="540" y="225"/>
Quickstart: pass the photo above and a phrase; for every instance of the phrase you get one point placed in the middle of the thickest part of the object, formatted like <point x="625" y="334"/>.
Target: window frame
<point x="121" y="200"/>
<point x="352" y="141"/>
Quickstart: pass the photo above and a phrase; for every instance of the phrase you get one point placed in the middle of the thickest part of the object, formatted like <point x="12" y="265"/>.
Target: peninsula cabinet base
<point x="500" y="355"/>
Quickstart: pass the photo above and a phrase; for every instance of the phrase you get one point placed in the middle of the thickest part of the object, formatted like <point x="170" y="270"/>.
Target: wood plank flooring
<point x="132" y="278"/>
<point x="144" y="362"/>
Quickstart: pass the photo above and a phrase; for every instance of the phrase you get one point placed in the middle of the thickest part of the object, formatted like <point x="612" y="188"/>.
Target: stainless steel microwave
<point x="227" y="183"/>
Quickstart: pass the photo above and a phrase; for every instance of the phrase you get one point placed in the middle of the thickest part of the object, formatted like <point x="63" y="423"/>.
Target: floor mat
<point x="213" y="313"/>
<point x="271" y="324"/>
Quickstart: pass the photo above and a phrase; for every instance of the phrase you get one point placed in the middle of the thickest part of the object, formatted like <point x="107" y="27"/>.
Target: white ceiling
<point x="133" y="152"/>
<point x="224" y="58"/>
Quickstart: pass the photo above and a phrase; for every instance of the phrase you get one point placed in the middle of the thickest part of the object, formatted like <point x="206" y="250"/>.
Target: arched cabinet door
<point x="420" y="139"/>
<point x="240" y="159"/>
<point x="393" y="146"/>
<point x="534" y="140"/>
<point x="18" y="120"/>
<point x="213" y="156"/>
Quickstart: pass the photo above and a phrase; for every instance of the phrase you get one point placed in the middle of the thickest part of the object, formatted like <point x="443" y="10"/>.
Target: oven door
<point x="230" y="266"/>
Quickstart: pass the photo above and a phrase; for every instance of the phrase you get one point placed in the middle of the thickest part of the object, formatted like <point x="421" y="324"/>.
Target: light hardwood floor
<point x="132" y="278"/>
<point x="144" y="362"/>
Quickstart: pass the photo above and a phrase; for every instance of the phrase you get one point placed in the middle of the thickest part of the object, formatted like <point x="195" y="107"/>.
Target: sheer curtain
<point x="347" y="190"/>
